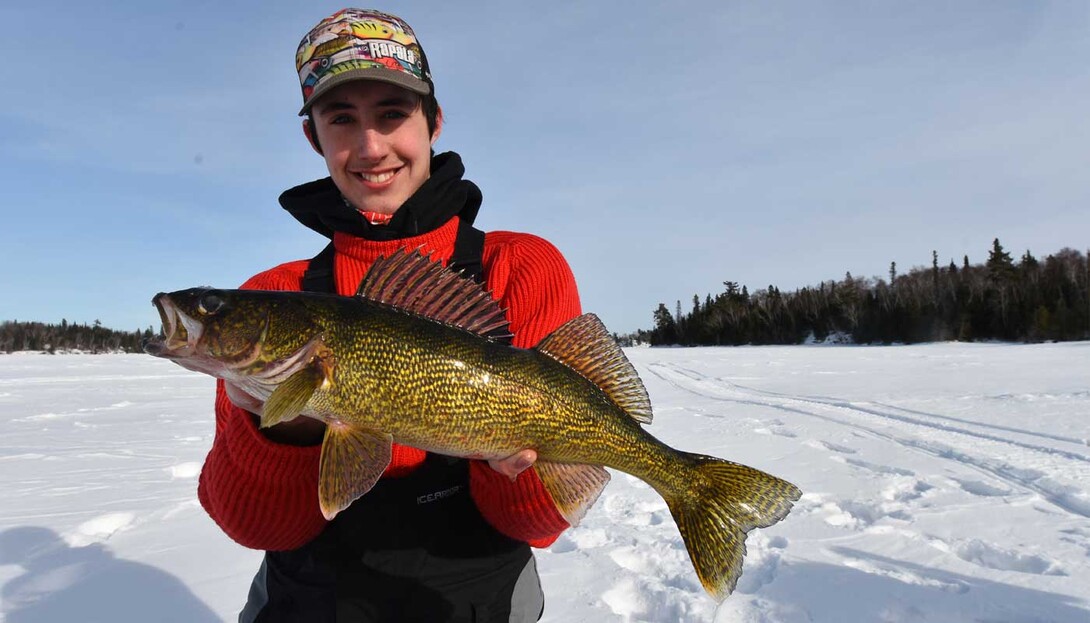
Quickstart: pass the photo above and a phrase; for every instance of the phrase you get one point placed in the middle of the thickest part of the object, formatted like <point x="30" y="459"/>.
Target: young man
<point x="437" y="539"/>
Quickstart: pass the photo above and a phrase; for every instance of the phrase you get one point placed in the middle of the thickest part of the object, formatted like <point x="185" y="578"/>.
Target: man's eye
<point x="340" y="120"/>
<point x="394" y="114"/>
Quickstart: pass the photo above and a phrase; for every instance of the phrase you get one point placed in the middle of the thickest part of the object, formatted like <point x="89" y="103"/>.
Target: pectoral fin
<point x="574" y="487"/>
<point x="352" y="461"/>
<point x="290" y="397"/>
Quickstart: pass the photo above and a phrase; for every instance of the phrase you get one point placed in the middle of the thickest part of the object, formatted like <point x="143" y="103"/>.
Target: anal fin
<point x="352" y="461"/>
<point x="574" y="487"/>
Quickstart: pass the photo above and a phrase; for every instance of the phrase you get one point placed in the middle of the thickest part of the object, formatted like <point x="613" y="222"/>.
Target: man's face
<point x="375" y="142"/>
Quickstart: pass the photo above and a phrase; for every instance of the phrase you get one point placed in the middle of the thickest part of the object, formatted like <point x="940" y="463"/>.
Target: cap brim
<point x="378" y="74"/>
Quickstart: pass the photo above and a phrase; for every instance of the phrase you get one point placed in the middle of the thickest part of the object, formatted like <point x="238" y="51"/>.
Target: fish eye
<point x="211" y="302"/>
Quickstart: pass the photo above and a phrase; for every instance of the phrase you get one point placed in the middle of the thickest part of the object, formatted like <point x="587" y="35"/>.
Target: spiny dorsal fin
<point x="584" y="345"/>
<point x="410" y="281"/>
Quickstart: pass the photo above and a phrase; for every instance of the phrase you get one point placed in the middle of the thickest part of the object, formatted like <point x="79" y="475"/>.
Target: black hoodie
<point x="320" y="206"/>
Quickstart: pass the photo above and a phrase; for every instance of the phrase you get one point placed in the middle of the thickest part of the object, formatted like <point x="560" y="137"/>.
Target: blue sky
<point x="663" y="147"/>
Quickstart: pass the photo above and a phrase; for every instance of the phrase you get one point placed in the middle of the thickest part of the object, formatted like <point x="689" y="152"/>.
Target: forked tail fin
<point x="722" y="503"/>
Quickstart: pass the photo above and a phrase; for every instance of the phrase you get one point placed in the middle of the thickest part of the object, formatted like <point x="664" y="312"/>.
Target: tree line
<point x="65" y="337"/>
<point x="1028" y="300"/>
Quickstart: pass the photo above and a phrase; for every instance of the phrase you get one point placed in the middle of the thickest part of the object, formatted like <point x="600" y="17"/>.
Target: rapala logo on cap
<point x="384" y="49"/>
<point x="438" y="495"/>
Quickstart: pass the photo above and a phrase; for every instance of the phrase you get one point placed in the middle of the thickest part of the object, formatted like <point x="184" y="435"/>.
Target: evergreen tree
<point x="1000" y="265"/>
<point x="935" y="268"/>
<point x="665" y="331"/>
<point x="1028" y="261"/>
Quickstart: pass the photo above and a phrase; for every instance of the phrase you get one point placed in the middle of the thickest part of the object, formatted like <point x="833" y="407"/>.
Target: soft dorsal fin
<point x="584" y="345"/>
<point x="410" y="281"/>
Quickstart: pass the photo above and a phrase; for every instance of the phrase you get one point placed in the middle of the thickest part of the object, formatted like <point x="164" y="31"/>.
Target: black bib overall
<point x="412" y="549"/>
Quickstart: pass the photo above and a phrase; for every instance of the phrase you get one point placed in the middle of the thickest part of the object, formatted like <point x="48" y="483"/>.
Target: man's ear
<point x="438" y="124"/>
<point x="311" y="132"/>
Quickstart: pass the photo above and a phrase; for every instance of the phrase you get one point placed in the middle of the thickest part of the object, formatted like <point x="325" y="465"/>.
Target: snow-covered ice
<point x="943" y="482"/>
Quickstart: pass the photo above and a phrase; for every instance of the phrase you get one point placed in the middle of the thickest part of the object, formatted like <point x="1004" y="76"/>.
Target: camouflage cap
<point x="360" y="44"/>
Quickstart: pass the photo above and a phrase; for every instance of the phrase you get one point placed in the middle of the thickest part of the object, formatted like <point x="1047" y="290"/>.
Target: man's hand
<point x="515" y="464"/>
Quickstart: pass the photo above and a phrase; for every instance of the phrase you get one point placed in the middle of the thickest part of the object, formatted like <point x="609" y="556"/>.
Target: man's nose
<point x="372" y="144"/>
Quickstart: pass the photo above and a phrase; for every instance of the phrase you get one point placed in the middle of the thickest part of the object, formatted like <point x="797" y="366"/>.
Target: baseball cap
<point x="360" y="44"/>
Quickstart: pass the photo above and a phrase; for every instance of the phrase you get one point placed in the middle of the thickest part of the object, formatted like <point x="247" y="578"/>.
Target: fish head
<point x="236" y="335"/>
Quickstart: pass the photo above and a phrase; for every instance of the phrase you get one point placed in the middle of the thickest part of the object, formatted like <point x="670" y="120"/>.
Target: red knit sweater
<point x="264" y="495"/>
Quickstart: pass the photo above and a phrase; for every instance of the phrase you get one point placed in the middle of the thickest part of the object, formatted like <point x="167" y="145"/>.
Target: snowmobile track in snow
<point x="868" y="419"/>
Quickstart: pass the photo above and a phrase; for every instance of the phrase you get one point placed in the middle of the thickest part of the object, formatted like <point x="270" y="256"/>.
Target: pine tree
<point x="1028" y="261"/>
<point x="665" y="331"/>
<point x="1000" y="265"/>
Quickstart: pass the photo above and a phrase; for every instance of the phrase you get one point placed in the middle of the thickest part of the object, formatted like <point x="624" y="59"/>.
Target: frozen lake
<point x="943" y="482"/>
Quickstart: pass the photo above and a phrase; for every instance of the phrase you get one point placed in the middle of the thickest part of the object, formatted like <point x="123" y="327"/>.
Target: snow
<point x="943" y="482"/>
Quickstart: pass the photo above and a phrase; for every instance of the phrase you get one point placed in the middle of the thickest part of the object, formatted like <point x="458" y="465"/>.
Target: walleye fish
<point x="417" y="358"/>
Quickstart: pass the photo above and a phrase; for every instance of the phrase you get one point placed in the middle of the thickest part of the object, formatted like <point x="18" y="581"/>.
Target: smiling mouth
<point x="378" y="178"/>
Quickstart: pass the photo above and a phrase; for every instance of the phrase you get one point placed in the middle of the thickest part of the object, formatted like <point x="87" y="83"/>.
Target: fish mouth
<point x="181" y="332"/>
<point x="181" y="342"/>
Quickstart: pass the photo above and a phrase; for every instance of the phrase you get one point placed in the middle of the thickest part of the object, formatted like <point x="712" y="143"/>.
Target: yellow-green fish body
<point x="415" y="360"/>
